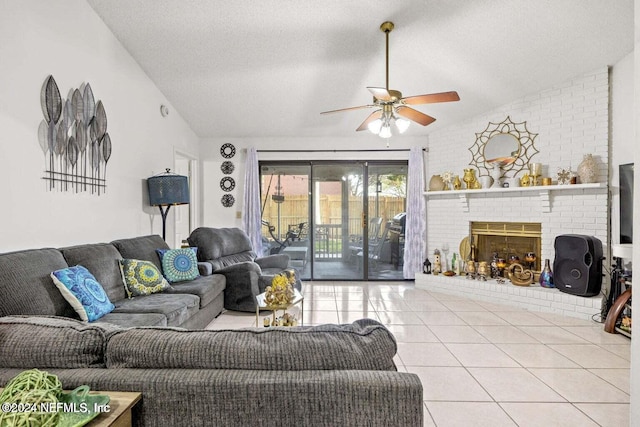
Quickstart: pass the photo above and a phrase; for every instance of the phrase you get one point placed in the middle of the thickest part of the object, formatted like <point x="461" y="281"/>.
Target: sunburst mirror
<point x="507" y="143"/>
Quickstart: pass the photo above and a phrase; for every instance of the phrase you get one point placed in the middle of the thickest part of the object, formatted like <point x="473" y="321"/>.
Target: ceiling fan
<point x="392" y="110"/>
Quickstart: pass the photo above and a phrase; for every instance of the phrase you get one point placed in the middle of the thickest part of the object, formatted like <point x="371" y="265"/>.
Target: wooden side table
<point x="120" y="406"/>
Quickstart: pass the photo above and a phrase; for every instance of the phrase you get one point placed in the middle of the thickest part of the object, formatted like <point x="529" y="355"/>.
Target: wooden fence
<point x="295" y="210"/>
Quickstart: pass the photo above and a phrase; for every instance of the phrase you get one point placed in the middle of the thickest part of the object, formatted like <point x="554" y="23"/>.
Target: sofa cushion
<point x="25" y="284"/>
<point x="132" y="320"/>
<point x="207" y="288"/>
<point x="175" y="307"/>
<point x="364" y="344"/>
<point x="180" y="264"/>
<point x="78" y="286"/>
<point x="101" y="259"/>
<point x="143" y="247"/>
<point x="50" y="342"/>
<point x="141" y="278"/>
<point x="216" y="243"/>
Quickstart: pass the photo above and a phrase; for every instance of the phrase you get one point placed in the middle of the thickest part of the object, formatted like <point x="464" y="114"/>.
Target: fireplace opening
<point x="508" y="240"/>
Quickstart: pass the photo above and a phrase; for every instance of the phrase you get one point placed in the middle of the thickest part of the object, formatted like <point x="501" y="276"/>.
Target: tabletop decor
<point x="564" y="176"/>
<point x="280" y="293"/>
<point x="36" y="398"/>
<point x="519" y="276"/>
<point x="588" y="170"/>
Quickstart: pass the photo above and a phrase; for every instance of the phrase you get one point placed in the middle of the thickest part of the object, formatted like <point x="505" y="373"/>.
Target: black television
<point x="626" y="202"/>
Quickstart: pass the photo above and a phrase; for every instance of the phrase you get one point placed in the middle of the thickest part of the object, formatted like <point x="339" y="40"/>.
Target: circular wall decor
<point x="227" y="151"/>
<point x="227" y="183"/>
<point x="227" y="167"/>
<point x="228" y="200"/>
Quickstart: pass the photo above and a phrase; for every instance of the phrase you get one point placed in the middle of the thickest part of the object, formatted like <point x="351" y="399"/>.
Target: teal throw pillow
<point x="141" y="278"/>
<point x="87" y="297"/>
<point x="179" y="264"/>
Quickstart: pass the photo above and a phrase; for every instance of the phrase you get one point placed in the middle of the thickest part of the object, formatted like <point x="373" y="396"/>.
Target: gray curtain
<point x="415" y="226"/>
<point x="251" y="218"/>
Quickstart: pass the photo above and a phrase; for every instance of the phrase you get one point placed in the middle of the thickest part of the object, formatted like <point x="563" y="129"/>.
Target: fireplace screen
<point x="509" y="240"/>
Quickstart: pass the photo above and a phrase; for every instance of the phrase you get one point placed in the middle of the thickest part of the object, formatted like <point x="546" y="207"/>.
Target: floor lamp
<point x="167" y="189"/>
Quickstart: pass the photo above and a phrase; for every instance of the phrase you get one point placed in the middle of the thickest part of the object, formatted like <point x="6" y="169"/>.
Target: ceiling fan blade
<point x="415" y="115"/>
<point x="373" y="116"/>
<point x="431" y="98"/>
<point x="380" y="93"/>
<point x="348" y="109"/>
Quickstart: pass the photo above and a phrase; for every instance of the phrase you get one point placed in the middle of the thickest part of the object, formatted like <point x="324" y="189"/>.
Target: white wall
<point x="68" y="40"/>
<point x="622" y="131"/>
<point x="635" y="152"/>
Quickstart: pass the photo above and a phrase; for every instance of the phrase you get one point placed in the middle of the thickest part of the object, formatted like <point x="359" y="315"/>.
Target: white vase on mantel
<point x="588" y="170"/>
<point x="496" y="173"/>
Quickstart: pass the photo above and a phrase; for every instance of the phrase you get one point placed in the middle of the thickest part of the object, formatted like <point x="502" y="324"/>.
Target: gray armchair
<point x="229" y="252"/>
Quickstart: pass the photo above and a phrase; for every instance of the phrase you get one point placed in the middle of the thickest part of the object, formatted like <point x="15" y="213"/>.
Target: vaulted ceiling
<point x="267" y="68"/>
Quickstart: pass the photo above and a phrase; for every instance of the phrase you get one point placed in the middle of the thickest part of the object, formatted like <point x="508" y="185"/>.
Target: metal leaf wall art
<point x="74" y="139"/>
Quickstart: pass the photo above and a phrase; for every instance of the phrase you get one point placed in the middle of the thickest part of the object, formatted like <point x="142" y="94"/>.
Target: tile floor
<point x="484" y="364"/>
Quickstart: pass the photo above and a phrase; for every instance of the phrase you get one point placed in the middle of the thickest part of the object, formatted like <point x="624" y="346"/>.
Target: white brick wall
<point x="571" y="120"/>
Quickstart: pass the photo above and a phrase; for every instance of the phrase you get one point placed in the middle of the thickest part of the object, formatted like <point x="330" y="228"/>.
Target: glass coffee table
<point x="261" y="304"/>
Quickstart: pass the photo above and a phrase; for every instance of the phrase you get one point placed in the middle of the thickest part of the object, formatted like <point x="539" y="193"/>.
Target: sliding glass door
<point x="337" y="215"/>
<point x="336" y="220"/>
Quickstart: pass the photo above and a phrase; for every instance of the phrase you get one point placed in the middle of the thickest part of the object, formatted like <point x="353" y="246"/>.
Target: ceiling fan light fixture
<point x="375" y="126"/>
<point x="402" y="124"/>
<point x="385" y="131"/>
<point x="394" y="113"/>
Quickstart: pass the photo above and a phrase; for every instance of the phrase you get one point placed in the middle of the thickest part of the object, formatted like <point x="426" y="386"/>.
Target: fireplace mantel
<point x="543" y="192"/>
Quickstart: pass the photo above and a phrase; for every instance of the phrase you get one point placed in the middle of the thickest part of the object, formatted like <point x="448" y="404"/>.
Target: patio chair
<point x="375" y="249"/>
<point x="357" y="242"/>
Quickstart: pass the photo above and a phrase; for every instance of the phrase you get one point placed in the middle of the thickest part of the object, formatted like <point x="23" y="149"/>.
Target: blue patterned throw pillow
<point x="179" y="264"/>
<point x="141" y="278"/>
<point x="87" y="297"/>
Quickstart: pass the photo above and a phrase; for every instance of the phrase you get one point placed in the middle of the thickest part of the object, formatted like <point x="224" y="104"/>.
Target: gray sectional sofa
<point x="330" y="375"/>
<point x="303" y="376"/>
<point x="26" y="286"/>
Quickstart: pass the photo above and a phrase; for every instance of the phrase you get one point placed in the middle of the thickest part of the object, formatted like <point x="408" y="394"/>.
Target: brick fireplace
<point x="567" y="210"/>
<point x="571" y="120"/>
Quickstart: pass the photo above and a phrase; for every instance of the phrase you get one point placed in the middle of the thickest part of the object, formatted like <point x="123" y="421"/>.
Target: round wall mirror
<point x="507" y="144"/>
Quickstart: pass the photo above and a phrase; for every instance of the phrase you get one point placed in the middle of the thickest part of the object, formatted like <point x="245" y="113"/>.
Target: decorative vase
<point x="456" y="183"/>
<point x="588" y="169"/>
<point x="546" y="276"/>
<point x="436" y="183"/>
<point x="485" y="181"/>
<point x="496" y="173"/>
<point x="469" y="178"/>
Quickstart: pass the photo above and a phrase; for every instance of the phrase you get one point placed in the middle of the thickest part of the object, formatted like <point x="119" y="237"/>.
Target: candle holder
<point x="530" y="258"/>
<point x="535" y="171"/>
<point x="501" y="264"/>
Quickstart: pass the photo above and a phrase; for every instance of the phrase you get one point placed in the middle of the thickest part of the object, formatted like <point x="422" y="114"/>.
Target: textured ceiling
<point x="247" y="68"/>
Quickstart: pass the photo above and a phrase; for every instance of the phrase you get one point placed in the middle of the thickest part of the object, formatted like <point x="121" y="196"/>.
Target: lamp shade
<point x="168" y="189"/>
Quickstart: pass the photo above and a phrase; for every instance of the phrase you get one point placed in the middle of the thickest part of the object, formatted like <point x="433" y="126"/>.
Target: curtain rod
<point x="338" y="151"/>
